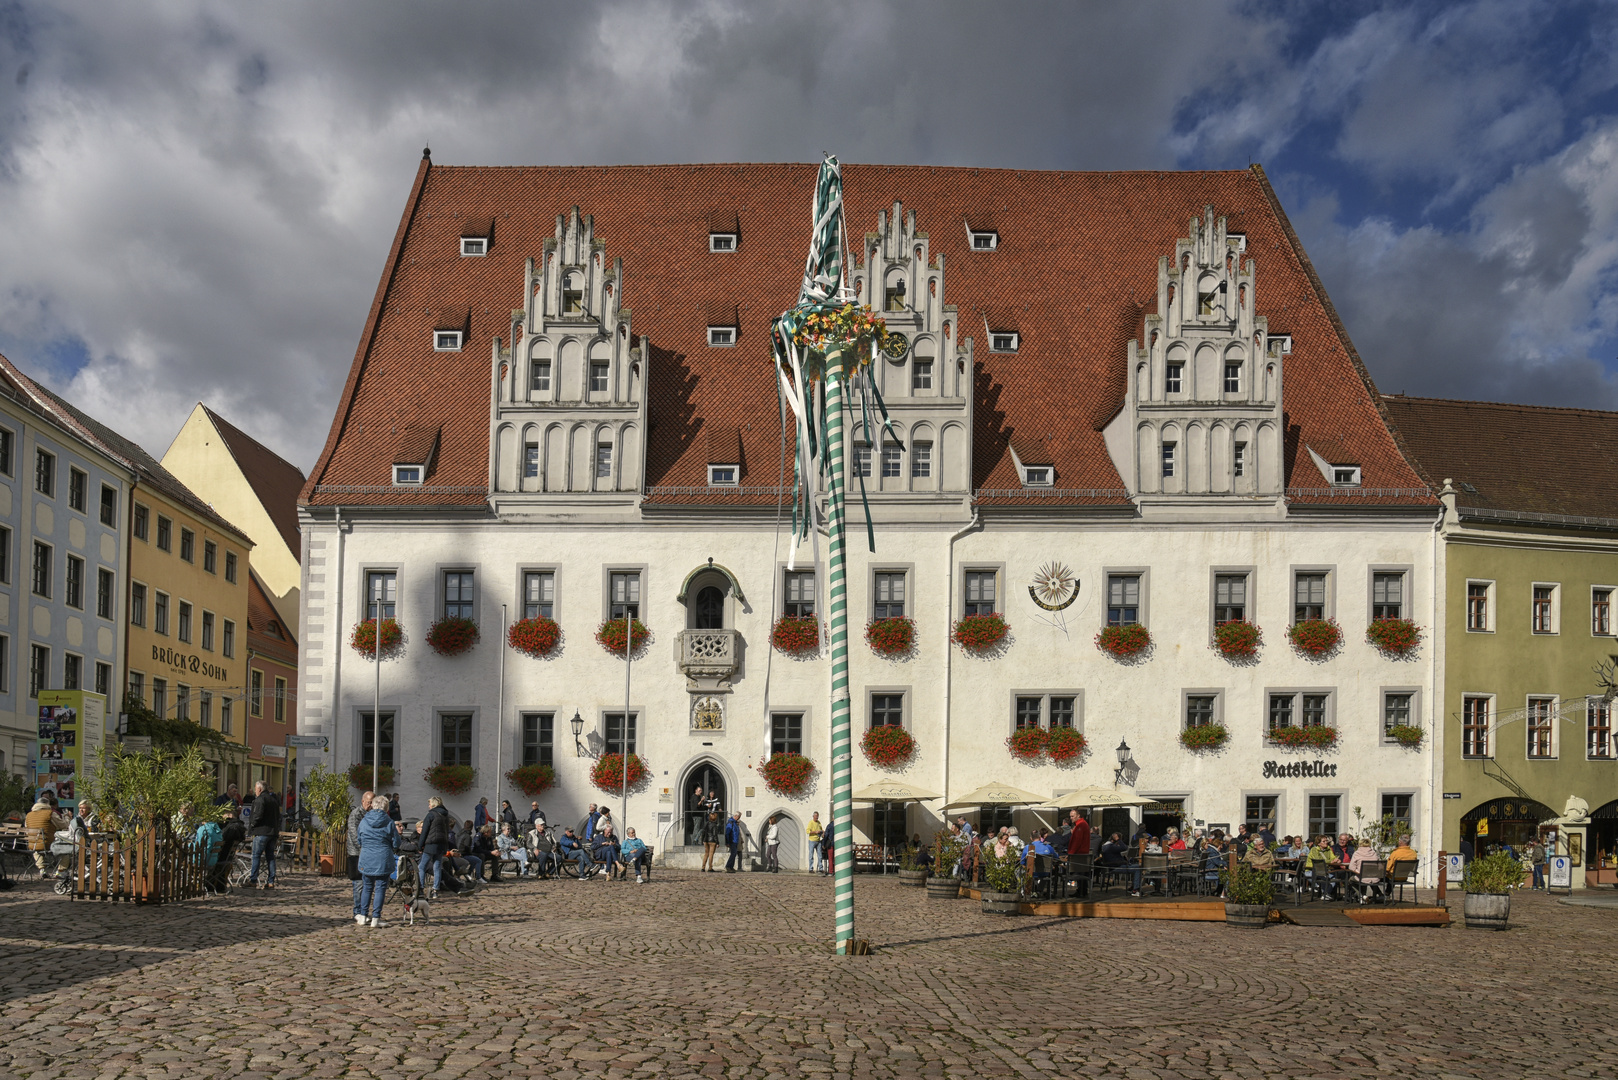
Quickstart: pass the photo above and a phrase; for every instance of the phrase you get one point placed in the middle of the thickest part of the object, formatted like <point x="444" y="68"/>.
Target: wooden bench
<point x="869" y="855"/>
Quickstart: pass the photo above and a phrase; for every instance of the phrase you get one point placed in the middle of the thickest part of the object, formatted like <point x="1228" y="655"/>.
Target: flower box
<point x="1204" y="737"/>
<point x="1238" y="639"/>
<point x="979" y="633"/>
<point x="1123" y="642"/>
<point x="536" y="637"/>
<point x="1064" y="744"/>
<point x="796" y="635"/>
<point x="1315" y="638"/>
<point x="887" y="745"/>
<point x="787" y="773"/>
<point x="891" y="637"/>
<point x="1028" y="743"/>
<point x="363" y="638"/>
<point x="1320" y="737"/>
<point x="359" y="776"/>
<point x="452" y="636"/>
<point x="610" y="635"/>
<point x="1407" y="735"/>
<point x="451" y="779"/>
<point x="1394" y="637"/>
<point x="532" y="780"/>
<point x="608" y="773"/>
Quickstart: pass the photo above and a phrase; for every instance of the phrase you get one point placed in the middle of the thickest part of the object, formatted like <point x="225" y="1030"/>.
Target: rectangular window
<point x="255" y="693"/>
<point x="42" y="569"/>
<point x="160" y="696"/>
<point x="538" y="594"/>
<point x="228" y="646"/>
<point x="207" y="630"/>
<point x="5" y="664"/>
<point x="1541" y="727"/>
<point x="1598" y="741"/>
<point x="1233" y="378"/>
<point x="604" y="461"/>
<point x="786" y="733"/>
<point x="75" y="582"/>
<point x="1387" y="596"/>
<point x="182" y="702"/>
<point x="1238" y="460"/>
<point x="921" y="375"/>
<point x="598" y="378"/>
<point x="539" y="377"/>
<point x="78" y="489"/>
<point x="1028" y="712"/>
<point x="1281" y="711"/>
<point x="103" y="674"/>
<point x="165" y="534"/>
<point x="887" y="710"/>
<point x="137" y="605"/>
<point x="1395" y="712"/>
<point x="1314" y="710"/>
<point x="280" y="701"/>
<point x="985" y="241"/>
<point x="1036" y="476"/>
<point x="890" y="596"/>
<point x="862" y="461"/>
<point x="625" y="595"/>
<point x="137" y="686"/>
<point x="160" y="612"/>
<point x="800" y="593"/>
<point x="109" y="506"/>
<point x="45" y="473"/>
<point x="1063" y="711"/>
<point x="185" y="621"/>
<point x="188" y="545"/>
<point x="1168" y="458"/>
<point x="39" y="669"/>
<point x="1174" y="378"/>
<point x="979" y="598"/>
<point x="614" y="723"/>
<point x="1601" y="612"/>
<point x="1475" y="727"/>
<point x="447" y="340"/>
<point x="1123" y="599"/>
<point x="530" y="460"/>
<point x="892" y="461"/>
<point x="1397" y="806"/>
<point x="1345" y="475"/>
<point x="1308" y="597"/>
<point x="721" y="337"/>
<point x="720" y="241"/>
<point x="455" y="738"/>
<point x="1230" y="598"/>
<point x="1199" y="710"/>
<point x="381" y="594"/>
<point x="230" y="567"/>
<point x="1261" y="813"/>
<point x="722" y="475"/>
<point x="142" y="525"/>
<point x="1002" y="342"/>
<point x="369" y="749"/>
<point x="1324" y="815"/>
<point x="1477" y="605"/>
<point x="474" y="245"/>
<point x="205" y="708"/>
<point x="921" y="459"/>
<point x="538" y="738"/>
<point x="458" y="594"/>
<point x="210" y="556"/>
<point x="72" y="671"/>
<point x="6" y="438"/>
<point x="5" y="555"/>
<point x="1544" y="597"/>
<point x="227" y="715"/>
<point x="573" y="301"/>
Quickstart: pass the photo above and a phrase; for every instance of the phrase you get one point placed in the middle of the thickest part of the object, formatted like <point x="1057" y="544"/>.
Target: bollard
<point x="1443" y="877"/>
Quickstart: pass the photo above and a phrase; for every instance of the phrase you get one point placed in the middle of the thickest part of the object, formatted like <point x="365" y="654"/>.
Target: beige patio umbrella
<point x="1098" y="797"/>
<point x="996" y="795"/>
<point x="894" y="791"/>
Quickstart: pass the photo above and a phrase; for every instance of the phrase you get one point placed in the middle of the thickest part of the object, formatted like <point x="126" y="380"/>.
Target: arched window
<point x="710" y="608"/>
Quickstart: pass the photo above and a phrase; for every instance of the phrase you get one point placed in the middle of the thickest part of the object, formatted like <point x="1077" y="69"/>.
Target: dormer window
<point x="721" y="337"/>
<point x="1345" y="475"/>
<point x="1036" y="476"/>
<point x="446" y="340"/>
<point x="476" y="233"/>
<point x="1003" y="341"/>
<point x="984" y="240"/>
<point x="721" y="241"/>
<point x="474" y="245"/>
<point x="723" y="475"/>
<point x="407" y="475"/>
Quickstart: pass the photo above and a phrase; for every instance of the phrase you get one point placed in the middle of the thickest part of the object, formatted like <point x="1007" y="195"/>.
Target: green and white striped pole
<point x="842" y="766"/>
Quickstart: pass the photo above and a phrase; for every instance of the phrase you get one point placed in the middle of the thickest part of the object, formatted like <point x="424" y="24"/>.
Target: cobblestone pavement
<point x="720" y="975"/>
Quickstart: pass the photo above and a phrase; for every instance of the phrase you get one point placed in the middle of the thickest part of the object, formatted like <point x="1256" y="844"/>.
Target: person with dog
<point x="436" y="827"/>
<point x="379" y="846"/>
<point x="353" y="839"/>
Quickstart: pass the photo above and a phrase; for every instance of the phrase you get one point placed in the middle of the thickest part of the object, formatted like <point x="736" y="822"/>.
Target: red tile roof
<point x="1075" y="270"/>
<point x="266" y="632"/>
<point x="273" y="479"/>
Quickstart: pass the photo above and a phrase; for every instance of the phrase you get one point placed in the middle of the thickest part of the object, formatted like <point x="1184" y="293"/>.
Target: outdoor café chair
<point x="1155" y="868"/>
<point x="1401" y="875"/>
<point x="1183" y="873"/>
<point x="1368" y="886"/>
<point x="1080" y="871"/>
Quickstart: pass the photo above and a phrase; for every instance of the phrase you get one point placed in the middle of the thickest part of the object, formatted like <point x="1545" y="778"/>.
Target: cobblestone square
<point x="721" y="975"/>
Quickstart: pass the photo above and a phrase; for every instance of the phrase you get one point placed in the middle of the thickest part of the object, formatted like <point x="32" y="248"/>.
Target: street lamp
<point x="577" y="724"/>
<point x="1123" y="760"/>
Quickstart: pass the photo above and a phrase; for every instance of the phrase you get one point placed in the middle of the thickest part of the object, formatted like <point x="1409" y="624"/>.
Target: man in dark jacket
<point x="733" y="838"/>
<point x="436" y="841"/>
<point x="264" y="825"/>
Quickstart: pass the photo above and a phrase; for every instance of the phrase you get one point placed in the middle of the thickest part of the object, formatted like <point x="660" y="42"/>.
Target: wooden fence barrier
<point x="152" y="867"/>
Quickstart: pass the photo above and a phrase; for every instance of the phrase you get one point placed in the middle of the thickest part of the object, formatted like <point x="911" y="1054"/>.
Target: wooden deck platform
<point x="1202" y="909"/>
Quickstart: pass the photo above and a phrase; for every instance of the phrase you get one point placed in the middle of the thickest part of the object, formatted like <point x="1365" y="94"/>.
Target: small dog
<point x="416" y="908"/>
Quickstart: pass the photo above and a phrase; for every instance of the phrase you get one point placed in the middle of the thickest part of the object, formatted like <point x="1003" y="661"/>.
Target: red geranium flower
<point x="1315" y="637"/>
<point x="979" y="633"/>
<point x="1123" y="641"/>
<point x="786" y="773"/>
<point x="610" y="635"/>
<point x="1027" y="743"/>
<point x="452" y="636"/>
<point x="887" y="745"/>
<point x="536" y="637"/>
<point x="1394" y="637"/>
<point x="363" y="638"/>
<point x="890" y="637"/>
<point x="608" y="774"/>
<point x="796" y="635"/>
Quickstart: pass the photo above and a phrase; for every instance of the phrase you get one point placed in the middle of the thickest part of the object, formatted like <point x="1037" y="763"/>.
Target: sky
<point x="196" y="198"/>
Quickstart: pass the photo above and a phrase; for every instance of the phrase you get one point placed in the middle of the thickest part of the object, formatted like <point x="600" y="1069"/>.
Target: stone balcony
<point x="709" y="659"/>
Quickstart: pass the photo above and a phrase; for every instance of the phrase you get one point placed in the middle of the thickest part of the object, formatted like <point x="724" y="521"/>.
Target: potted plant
<point x="1394" y="637"/>
<point x="360" y="776"/>
<point x="887" y="745"/>
<point x="1028" y="743"/>
<point x="326" y="795"/>
<point x="1123" y="642"/>
<point x="532" y="780"/>
<point x="1488" y="882"/>
<point x="363" y="638"/>
<point x="608" y="773"/>
<point x="452" y="635"/>
<point x="911" y="870"/>
<point x="1064" y="744"/>
<point x="999" y="894"/>
<point x="1248" y="894"/>
<point x="610" y="635"/>
<point x="979" y="633"/>
<point x="796" y="635"/>
<point x="1238" y="639"/>
<point x="537" y="637"/>
<point x="787" y="773"/>
<point x="1204" y="737"/>
<point x="451" y="779"/>
<point x="1315" y="638"/>
<point x="891" y="637"/>
<point x="942" y="883"/>
<point x="1408" y="736"/>
<point x="1320" y="737"/>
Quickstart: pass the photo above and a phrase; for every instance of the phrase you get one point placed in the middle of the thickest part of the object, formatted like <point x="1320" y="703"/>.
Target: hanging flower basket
<point x="451" y="779"/>
<point x="891" y="637"/>
<point x="363" y="638"/>
<point x="1204" y="737"/>
<point x="532" y="780"/>
<point x="608" y="774"/>
<point x="536" y="637"/>
<point x="1407" y="735"/>
<point x="887" y="745"/>
<point x="1320" y="738"/>
<point x="610" y="635"/>
<point x="1315" y="638"/>
<point x="1028" y="743"/>
<point x="787" y="773"/>
<point x="359" y="776"/>
<point x="1123" y="642"/>
<point x="979" y="633"/>
<point x="1394" y="637"/>
<point x="452" y="636"/>
<point x="1063" y="744"/>
<point x="1238" y="639"/>
<point x="796" y="635"/>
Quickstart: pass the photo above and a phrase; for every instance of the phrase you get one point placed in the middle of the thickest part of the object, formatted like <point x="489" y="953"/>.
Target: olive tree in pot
<point x="942" y="884"/>
<point x="1000" y="895"/>
<point x="912" y="871"/>
<point x="1488" y="882"/>
<point x="1248" y="893"/>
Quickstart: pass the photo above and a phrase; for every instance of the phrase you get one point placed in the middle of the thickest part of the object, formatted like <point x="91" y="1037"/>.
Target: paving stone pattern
<point x="730" y="976"/>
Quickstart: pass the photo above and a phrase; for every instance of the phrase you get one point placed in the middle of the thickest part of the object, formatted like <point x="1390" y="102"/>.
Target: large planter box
<point x="1002" y="903"/>
<point x="917" y="878"/>
<point x="1487" y="911"/>
<point x="943" y="888"/>
<point x="1247" y="916"/>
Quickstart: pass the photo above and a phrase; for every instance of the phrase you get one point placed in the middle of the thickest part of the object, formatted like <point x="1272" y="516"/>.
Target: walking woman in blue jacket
<point x="379" y="843"/>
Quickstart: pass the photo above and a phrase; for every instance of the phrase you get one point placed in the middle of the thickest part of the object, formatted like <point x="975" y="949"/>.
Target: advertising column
<point x="72" y="724"/>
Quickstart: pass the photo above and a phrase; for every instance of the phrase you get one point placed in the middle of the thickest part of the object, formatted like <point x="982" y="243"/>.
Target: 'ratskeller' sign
<point x="1284" y="770"/>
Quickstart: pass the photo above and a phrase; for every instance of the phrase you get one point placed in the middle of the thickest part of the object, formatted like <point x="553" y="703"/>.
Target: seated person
<point x="509" y="847"/>
<point x="1259" y="856"/>
<point x="1116" y="856"/>
<point x="1317" y="864"/>
<point x="570" y="850"/>
<point x="41" y="826"/>
<point x="1364" y="853"/>
<point x="604" y="849"/>
<point x="487" y="851"/>
<point x="634" y="853"/>
<point x="1403" y="853"/>
<point x="543" y="846"/>
<point x="1172" y="841"/>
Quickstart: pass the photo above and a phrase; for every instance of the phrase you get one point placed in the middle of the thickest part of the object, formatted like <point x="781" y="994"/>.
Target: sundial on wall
<point x="1054" y="587"/>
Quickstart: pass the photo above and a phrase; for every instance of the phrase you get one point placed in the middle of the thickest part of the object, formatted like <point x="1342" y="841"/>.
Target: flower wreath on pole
<point x="608" y="773"/>
<point x="452" y="635"/>
<point x="363" y="638"/>
<point x="887" y="745"/>
<point x="787" y="773"/>
<point x="537" y="637"/>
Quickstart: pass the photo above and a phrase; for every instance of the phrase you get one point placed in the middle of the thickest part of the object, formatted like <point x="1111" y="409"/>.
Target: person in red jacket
<point x="1078" y="840"/>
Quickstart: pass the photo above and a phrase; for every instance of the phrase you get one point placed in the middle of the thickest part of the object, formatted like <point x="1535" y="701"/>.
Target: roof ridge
<point x="220" y="422"/>
<point x="1472" y="403"/>
<point x="845" y="163"/>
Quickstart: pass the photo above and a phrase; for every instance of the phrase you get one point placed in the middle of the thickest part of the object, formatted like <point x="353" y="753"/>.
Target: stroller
<point x="62" y="851"/>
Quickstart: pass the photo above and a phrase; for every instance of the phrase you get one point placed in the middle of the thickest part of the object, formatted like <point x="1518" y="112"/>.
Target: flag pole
<point x="842" y="803"/>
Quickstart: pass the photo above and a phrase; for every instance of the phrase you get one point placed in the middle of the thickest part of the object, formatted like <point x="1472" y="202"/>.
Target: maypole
<point x="828" y="338"/>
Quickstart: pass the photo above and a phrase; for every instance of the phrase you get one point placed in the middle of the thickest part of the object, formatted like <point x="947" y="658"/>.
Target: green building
<point x="1529" y="567"/>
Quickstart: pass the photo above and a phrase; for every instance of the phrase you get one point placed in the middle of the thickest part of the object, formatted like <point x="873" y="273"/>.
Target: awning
<point x="1099" y="797"/>
<point x="894" y="791"/>
<point x="996" y="795"/>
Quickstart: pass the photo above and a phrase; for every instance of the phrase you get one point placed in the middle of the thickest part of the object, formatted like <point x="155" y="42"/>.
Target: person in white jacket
<point x="772" y="844"/>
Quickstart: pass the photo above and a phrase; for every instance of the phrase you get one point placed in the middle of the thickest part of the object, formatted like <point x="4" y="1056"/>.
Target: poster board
<point x="1561" y="869"/>
<point x="72" y="726"/>
<point x="1454" y="869"/>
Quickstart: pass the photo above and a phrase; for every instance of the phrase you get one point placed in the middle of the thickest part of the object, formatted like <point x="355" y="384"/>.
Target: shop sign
<point x="1284" y="770"/>
<point x="1561" y="872"/>
<point x="188" y="662"/>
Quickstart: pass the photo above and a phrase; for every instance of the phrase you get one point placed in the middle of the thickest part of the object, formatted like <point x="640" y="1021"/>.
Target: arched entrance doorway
<point x="1601" y="846"/>
<point x="794" y="852"/>
<point x="707" y="776"/>
<point x="1498" y="822"/>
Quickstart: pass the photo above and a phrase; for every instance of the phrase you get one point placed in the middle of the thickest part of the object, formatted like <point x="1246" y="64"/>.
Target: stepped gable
<point x="1076" y="261"/>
